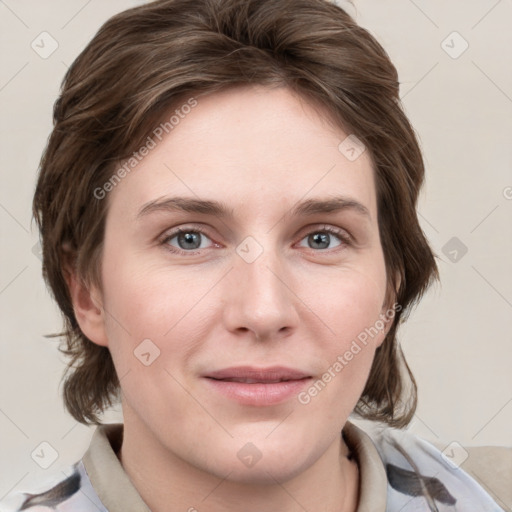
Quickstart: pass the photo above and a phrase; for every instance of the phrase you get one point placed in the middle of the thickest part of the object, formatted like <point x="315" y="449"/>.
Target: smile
<point x="258" y="387"/>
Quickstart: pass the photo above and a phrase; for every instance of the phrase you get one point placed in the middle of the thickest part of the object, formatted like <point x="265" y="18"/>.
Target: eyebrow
<point x="220" y="209"/>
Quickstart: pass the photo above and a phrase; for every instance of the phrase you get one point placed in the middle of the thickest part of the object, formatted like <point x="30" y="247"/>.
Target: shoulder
<point x="70" y="485"/>
<point x="444" y="474"/>
<point x="490" y="466"/>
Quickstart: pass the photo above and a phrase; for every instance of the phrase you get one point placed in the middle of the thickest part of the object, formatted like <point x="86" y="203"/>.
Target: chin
<point x="263" y="463"/>
<point x="268" y="472"/>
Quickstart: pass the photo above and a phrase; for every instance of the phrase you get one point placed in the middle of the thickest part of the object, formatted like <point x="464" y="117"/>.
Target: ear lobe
<point x="391" y="295"/>
<point x="389" y="311"/>
<point x="398" y="281"/>
<point x="88" y="308"/>
<point x="385" y="331"/>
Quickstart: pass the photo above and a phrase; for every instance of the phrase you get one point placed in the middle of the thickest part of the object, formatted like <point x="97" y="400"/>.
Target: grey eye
<point x="321" y="240"/>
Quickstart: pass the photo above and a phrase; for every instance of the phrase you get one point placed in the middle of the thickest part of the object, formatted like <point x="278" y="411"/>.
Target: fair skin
<point x="299" y="304"/>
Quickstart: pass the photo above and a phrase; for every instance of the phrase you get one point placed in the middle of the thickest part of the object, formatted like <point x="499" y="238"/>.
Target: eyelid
<point x="344" y="236"/>
<point x="173" y="232"/>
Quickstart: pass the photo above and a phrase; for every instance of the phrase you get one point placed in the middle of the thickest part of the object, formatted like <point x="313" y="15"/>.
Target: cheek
<point x="167" y="307"/>
<point x="138" y="292"/>
<point x="353" y="311"/>
<point x="352" y="300"/>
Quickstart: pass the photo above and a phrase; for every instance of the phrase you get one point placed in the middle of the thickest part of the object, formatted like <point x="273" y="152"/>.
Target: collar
<point x="116" y="491"/>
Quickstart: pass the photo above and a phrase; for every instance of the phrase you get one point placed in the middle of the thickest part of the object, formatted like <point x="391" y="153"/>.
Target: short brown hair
<point x="143" y="62"/>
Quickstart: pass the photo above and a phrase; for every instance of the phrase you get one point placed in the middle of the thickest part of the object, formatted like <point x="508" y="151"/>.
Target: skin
<point x="260" y="151"/>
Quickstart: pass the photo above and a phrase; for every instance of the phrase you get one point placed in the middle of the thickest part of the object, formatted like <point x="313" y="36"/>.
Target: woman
<point x="227" y="206"/>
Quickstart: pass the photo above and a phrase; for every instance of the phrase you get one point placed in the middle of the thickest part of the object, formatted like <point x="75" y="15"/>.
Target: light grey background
<point x="458" y="343"/>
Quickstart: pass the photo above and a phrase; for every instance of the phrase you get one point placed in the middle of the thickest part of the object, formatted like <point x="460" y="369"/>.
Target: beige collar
<point x="118" y="494"/>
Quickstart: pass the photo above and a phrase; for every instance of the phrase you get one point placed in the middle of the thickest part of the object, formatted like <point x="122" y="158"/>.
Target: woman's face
<point x="278" y="275"/>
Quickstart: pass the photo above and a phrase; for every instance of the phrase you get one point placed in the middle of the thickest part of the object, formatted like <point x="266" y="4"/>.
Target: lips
<point x="254" y="381"/>
<point x="260" y="387"/>
<point x="250" y="375"/>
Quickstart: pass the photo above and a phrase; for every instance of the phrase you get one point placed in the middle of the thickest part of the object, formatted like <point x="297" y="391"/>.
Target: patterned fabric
<point x="419" y="478"/>
<point x="74" y="493"/>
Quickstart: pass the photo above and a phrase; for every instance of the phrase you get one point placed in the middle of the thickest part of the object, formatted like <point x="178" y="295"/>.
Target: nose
<point x="259" y="298"/>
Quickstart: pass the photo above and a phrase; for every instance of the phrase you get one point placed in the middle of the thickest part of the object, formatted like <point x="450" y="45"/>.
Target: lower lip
<point x="259" y="394"/>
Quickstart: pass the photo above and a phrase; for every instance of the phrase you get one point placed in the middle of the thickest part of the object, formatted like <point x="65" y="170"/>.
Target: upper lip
<point x="249" y="373"/>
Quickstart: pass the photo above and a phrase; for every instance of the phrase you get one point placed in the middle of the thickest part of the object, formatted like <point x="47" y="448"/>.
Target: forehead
<point x="251" y="147"/>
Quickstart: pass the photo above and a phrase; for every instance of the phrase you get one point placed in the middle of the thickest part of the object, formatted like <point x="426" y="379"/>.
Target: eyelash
<point x="344" y="238"/>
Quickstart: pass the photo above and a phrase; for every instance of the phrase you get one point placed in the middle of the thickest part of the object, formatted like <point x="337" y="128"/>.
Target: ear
<point x="390" y="308"/>
<point x="87" y="306"/>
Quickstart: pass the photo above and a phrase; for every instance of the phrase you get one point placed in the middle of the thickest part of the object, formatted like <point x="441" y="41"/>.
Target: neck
<point x="331" y="483"/>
